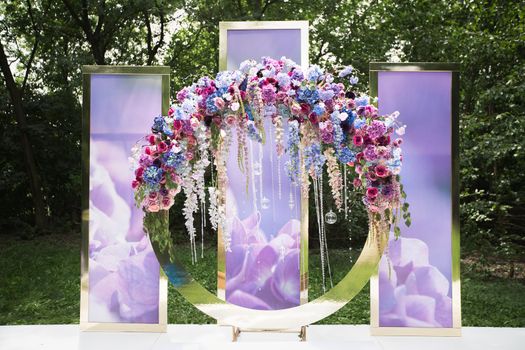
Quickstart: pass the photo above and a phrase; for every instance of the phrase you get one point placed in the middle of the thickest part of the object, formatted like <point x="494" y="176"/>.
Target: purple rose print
<point x="414" y="293"/>
<point x="262" y="274"/>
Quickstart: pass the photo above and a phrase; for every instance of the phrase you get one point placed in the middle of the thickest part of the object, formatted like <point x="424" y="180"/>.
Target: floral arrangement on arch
<point x="328" y="124"/>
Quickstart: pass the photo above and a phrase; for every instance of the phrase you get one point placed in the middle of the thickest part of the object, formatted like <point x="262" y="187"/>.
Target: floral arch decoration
<point x="328" y="124"/>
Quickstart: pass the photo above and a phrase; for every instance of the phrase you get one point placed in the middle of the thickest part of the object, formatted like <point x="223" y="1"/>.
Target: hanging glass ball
<point x="330" y="217"/>
<point x="256" y="168"/>
<point x="265" y="203"/>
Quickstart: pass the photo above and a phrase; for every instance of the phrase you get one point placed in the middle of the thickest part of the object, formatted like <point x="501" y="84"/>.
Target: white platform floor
<point x="197" y="337"/>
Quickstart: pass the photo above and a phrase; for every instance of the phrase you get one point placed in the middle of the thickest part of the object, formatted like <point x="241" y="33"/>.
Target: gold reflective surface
<point x="85" y="325"/>
<point x="455" y="330"/>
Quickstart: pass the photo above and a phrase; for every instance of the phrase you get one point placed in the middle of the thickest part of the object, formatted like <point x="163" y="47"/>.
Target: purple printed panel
<point x="256" y="43"/>
<point x="123" y="269"/>
<point x="418" y="291"/>
<point x="262" y="269"/>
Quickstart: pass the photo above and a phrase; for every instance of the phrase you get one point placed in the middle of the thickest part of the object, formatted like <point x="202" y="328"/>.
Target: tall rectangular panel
<point x="416" y="290"/>
<point x="267" y="265"/>
<point x="122" y="287"/>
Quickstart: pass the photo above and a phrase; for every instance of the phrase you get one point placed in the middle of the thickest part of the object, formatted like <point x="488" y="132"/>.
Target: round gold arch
<point x="237" y="316"/>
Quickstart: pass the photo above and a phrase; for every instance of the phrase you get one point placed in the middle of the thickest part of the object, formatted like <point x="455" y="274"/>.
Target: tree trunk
<point x="32" y="170"/>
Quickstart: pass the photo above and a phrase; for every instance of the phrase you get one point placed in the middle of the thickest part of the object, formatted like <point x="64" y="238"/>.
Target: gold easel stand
<point x="236" y="332"/>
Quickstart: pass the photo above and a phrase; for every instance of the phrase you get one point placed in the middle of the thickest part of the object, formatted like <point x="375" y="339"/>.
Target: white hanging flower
<point x="401" y="130"/>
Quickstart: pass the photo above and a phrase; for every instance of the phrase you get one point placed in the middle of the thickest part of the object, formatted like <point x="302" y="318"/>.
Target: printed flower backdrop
<point x="414" y="293"/>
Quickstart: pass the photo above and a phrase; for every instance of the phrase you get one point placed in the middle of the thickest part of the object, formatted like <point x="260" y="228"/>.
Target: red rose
<point x="177" y="124"/>
<point x="162" y="147"/>
<point x="139" y="172"/>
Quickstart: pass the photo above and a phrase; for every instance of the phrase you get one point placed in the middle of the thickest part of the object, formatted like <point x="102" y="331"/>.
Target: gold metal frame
<point x="85" y="325"/>
<point x="455" y="330"/>
<point x="224" y="27"/>
<point x="255" y="25"/>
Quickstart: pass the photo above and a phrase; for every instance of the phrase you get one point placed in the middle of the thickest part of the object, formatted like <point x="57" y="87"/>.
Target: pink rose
<point x="218" y="102"/>
<point x="381" y="171"/>
<point x="357" y="182"/>
<point x="371" y="192"/>
<point x="153" y="208"/>
<point x="230" y="120"/>
<point x="166" y="203"/>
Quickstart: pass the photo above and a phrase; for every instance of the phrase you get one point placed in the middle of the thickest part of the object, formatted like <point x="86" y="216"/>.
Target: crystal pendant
<point x="291" y="202"/>
<point x="330" y="217"/>
<point x="256" y="168"/>
<point x="265" y="203"/>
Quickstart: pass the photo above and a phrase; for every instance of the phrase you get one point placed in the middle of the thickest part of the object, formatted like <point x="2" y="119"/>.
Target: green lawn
<point x="39" y="284"/>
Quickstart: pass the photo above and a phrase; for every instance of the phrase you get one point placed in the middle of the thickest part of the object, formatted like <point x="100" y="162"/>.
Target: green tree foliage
<point x="47" y="41"/>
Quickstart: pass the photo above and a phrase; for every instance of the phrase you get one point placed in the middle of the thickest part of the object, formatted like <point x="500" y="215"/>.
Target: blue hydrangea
<point x="314" y="159"/>
<point x="319" y="109"/>
<point x="326" y="95"/>
<point x="362" y="101"/>
<point x="204" y="82"/>
<point x="359" y="123"/>
<point x="152" y="176"/>
<point x="224" y="79"/>
<point x="166" y="130"/>
<point x="283" y="79"/>
<point x="354" y="80"/>
<point x="345" y="155"/>
<point x="307" y="95"/>
<point x="174" y="160"/>
<point x="339" y="136"/>
<point x="315" y="73"/>
<point x="297" y="74"/>
<point x="346" y="71"/>
<point x="158" y="124"/>
<point x="210" y="104"/>
<point x="292" y="165"/>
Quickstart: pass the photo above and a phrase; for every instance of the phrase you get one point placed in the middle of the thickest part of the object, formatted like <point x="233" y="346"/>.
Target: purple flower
<point x="376" y="129"/>
<point x="268" y="93"/>
<point x="414" y="293"/>
<point x="370" y="153"/>
<point x="260" y="274"/>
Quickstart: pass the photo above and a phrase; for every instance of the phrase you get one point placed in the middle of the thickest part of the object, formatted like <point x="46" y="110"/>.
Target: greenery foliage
<point x="46" y="42"/>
